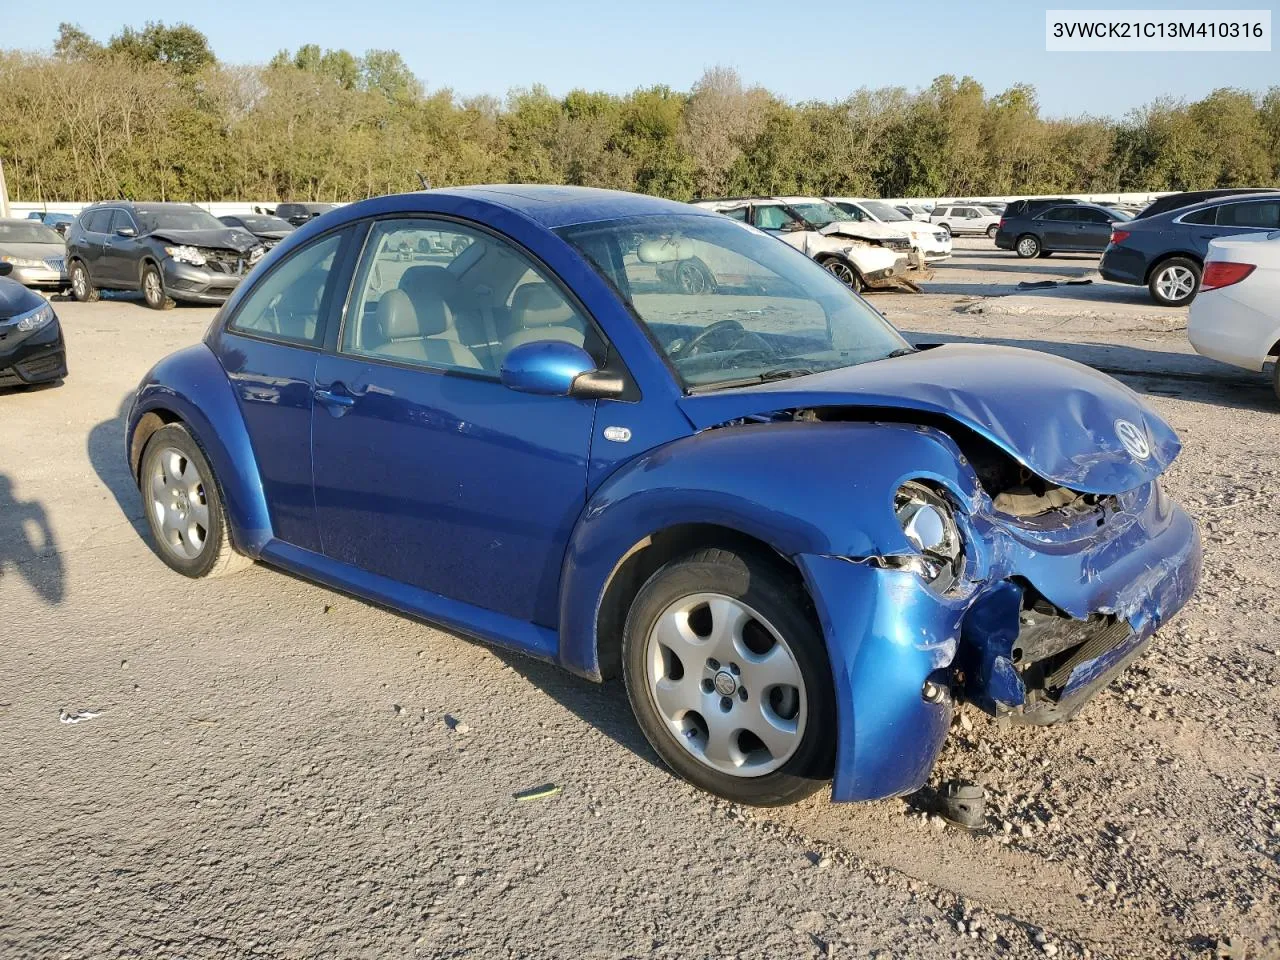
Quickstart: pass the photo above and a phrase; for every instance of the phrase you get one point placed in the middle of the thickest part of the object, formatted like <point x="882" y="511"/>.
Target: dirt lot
<point x="263" y="767"/>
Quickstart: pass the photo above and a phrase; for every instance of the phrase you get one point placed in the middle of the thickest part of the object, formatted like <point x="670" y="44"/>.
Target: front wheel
<point x="1175" y="282"/>
<point x="153" y="289"/>
<point x="729" y="679"/>
<point x="845" y="273"/>
<point x="1027" y="246"/>
<point x="183" y="506"/>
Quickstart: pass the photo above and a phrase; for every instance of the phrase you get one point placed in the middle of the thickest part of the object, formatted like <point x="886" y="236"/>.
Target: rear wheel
<point x="1175" y="282"/>
<point x="728" y="676"/>
<point x="844" y="272"/>
<point x="82" y="287"/>
<point x="1027" y="246"/>
<point x="992" y="231"/>
<point x="184" y="507"/>
<point x="153" y="289"/>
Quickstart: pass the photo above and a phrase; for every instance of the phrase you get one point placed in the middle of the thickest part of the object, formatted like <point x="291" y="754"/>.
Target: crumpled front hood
<point x="1060" y="419"/>
<point x="230" y="238"/>
<point x="854" y="228"/>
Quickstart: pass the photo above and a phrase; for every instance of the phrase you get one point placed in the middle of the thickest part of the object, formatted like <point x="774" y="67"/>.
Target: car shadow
<point x="1161" y="373"/>
<point x="105" y="447"/>
<point x="28" y="547"/>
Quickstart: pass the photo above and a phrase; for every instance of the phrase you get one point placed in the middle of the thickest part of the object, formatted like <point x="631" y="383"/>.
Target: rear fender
<point x="192" y="386"/>
<point x="823" y="489"/>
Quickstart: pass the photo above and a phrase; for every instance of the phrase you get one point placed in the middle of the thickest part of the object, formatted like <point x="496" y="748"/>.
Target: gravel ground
<point x="257" y="766"/>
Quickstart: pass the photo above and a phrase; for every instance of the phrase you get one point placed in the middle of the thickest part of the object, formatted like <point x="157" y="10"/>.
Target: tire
<point x="946" y="228"/>
<point x="82" y="287"/>
<point x="176" y="481"/>
<point x="1275" y="378"/>
<point x="726" y="677"/>
<point x="1027" y="246"/>
<point x="845" y="272"/>
<point x="992" y="231"/>
<point x="1174" y="282"/>
<point x="153" y="288"/>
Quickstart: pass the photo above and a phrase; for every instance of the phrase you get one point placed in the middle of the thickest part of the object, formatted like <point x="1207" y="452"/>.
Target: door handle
<point x="333" y="401"/>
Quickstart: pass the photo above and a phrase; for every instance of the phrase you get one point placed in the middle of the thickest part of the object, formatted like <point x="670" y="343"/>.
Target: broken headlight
<point x="186" y="254"/>
<point x="929" y="523"/>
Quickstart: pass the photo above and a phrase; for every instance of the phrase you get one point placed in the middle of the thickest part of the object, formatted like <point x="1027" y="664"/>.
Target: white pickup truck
<point x="861" y="258"/>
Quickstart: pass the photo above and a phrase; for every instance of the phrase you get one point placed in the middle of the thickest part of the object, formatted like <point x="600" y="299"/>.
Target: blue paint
<point x="502" y="513"/>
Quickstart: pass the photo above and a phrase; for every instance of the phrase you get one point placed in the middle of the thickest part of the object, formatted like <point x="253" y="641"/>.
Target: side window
<point x="939" y="211"/>
<point x="1094" y="216"/>
<point x="1204" y="217"/>
<point x="119" y="219"/>
<point x="286" y="304"/>
<point x="737" y="213"/>
<point x="773" y="218"/>
<point x="1262" y="214"/>
<point x="460" y="301"/>
<point x="856" y="213"/>
<point x="1061" y="214"/>
<point x="96" y="221"/>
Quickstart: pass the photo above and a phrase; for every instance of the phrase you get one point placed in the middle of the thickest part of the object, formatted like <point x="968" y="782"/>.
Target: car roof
<point x="549" y="206"/>
<point x="1258" y="195"/>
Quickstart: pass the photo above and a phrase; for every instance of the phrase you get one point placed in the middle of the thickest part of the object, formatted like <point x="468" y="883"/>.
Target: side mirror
<point x="6" y="268"/>
<point x="126" y="232"/>
<point x="555" y="368"/>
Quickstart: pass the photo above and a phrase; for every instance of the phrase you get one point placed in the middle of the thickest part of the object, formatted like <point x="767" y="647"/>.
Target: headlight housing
<point x="929" y="522"/>
<point x="186" y="254"/>
<point x="32" y="320"/>
<point x="22" y="261"/>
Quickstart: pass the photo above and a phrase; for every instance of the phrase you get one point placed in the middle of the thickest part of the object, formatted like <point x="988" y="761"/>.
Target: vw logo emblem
<point x="1133" y="439"/>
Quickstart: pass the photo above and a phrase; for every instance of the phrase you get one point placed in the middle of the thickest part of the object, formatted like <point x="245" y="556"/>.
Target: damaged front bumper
<point x="1048" y="618"/>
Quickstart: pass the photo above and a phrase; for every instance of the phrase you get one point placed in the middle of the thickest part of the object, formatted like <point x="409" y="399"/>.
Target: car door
<point x="268" y="347"/>
<point x="120" y="248"/>
<point x="1093" y="229"/>
<point x="1055" y="227"/>
<point x="92" y="235"/>
<point x="428" y="471"/>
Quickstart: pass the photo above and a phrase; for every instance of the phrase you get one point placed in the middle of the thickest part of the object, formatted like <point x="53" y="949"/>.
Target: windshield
<point x="729" y="305"/>
<point x="882" y="211"/>
<point x="28" y="232"/>
<point x="820" y="214"/>
<point x="177" y="218"/>
<point x="265" y="224"/>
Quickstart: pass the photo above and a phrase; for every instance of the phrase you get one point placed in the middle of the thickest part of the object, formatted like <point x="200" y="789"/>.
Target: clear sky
<point x="800" y="51"/>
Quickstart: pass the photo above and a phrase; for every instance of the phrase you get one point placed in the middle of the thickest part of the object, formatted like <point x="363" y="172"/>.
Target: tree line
<point x="151" y="113"/>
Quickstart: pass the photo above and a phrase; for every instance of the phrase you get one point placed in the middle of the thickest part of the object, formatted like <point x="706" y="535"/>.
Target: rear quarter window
<point x="1202" y="216"/>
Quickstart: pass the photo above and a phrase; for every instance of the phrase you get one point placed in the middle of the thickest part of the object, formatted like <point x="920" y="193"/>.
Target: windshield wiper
<point x="900" y="352"/>
<point x="784" y="373"/>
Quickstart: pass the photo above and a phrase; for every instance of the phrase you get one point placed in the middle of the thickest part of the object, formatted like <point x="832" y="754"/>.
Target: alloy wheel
<point x="1028" y="247"/>
<point x="726" y="684"/>
<point x="79" y="285"/>
<point x="179" y="504"/>
<point x="842" y="272"/>
<point x="1175" y="283"/>
<point x="152" y="287"/>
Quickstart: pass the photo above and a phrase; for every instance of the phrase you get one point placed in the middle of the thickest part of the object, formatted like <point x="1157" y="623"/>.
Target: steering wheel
<point x="691" y="348"/>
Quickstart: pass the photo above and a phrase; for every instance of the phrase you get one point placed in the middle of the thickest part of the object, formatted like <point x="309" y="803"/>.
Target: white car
<point x="959" y="219"/>
<point x="859" y="258"/>
<point x="930" y="242"/>
<point x="1236" y="316"/>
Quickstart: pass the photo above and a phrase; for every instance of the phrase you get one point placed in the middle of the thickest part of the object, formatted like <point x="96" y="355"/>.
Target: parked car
<point x="964" y="219"/>
<point x="169" y="251"/>
<point x="859" y="258"/>
<point x="31" y="346"/>
<point x="797" y="538"/>
<point x="36" y="253"/>
<point x="1236" y="317"/>
<point x="1188" y="198"/>
<point x="299" y="213"/>
<point x="1166" y="252"/>
<point x="268" y="229"/>
<point x="56" y="221"/>
<point x="919" y="214"/>
<point x="1070" y="228"/>
<point x="929" y="242"/>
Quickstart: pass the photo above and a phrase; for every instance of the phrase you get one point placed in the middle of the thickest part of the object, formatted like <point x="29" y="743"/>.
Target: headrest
<point x="396" y="317"/>
<point x="426" y="280"/>
<point x="541" y="305"/>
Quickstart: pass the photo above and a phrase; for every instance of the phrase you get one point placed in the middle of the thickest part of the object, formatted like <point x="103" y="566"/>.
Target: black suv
<point x="169" y="251"/>
<point x="299" y="213"/>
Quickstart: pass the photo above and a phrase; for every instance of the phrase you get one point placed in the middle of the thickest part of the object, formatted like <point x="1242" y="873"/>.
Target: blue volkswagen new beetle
<point x="634" y="437"/>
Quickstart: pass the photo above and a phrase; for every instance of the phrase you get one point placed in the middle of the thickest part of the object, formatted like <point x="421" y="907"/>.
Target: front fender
<point x="822" y="489"/>
<point x="192" y="385"/>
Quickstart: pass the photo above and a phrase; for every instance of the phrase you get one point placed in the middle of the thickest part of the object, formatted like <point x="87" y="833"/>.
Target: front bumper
<point x="900" y="654"/>
<point x="39" y="357"/>
<point x="886" y="277"/>
<point x="43" y="277"/>
<point x="933" y="248"/>
<point x="185" y="281"/>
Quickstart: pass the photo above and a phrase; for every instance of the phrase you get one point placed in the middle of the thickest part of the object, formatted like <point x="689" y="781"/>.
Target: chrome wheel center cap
<point x="725" y="683"/>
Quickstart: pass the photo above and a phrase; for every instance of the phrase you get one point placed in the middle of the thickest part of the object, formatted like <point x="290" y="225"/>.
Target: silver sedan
<point x="37" y="253"/>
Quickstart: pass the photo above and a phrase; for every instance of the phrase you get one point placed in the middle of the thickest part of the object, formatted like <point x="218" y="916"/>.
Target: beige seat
<point x="421" y="332"/>
<point x="540" y="312"/>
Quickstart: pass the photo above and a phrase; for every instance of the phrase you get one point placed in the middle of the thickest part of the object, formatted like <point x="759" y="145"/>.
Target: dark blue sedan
<point x="1166" y="252"/>
<point x="799" y="540"/>
<point x="1065" y="228"/>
